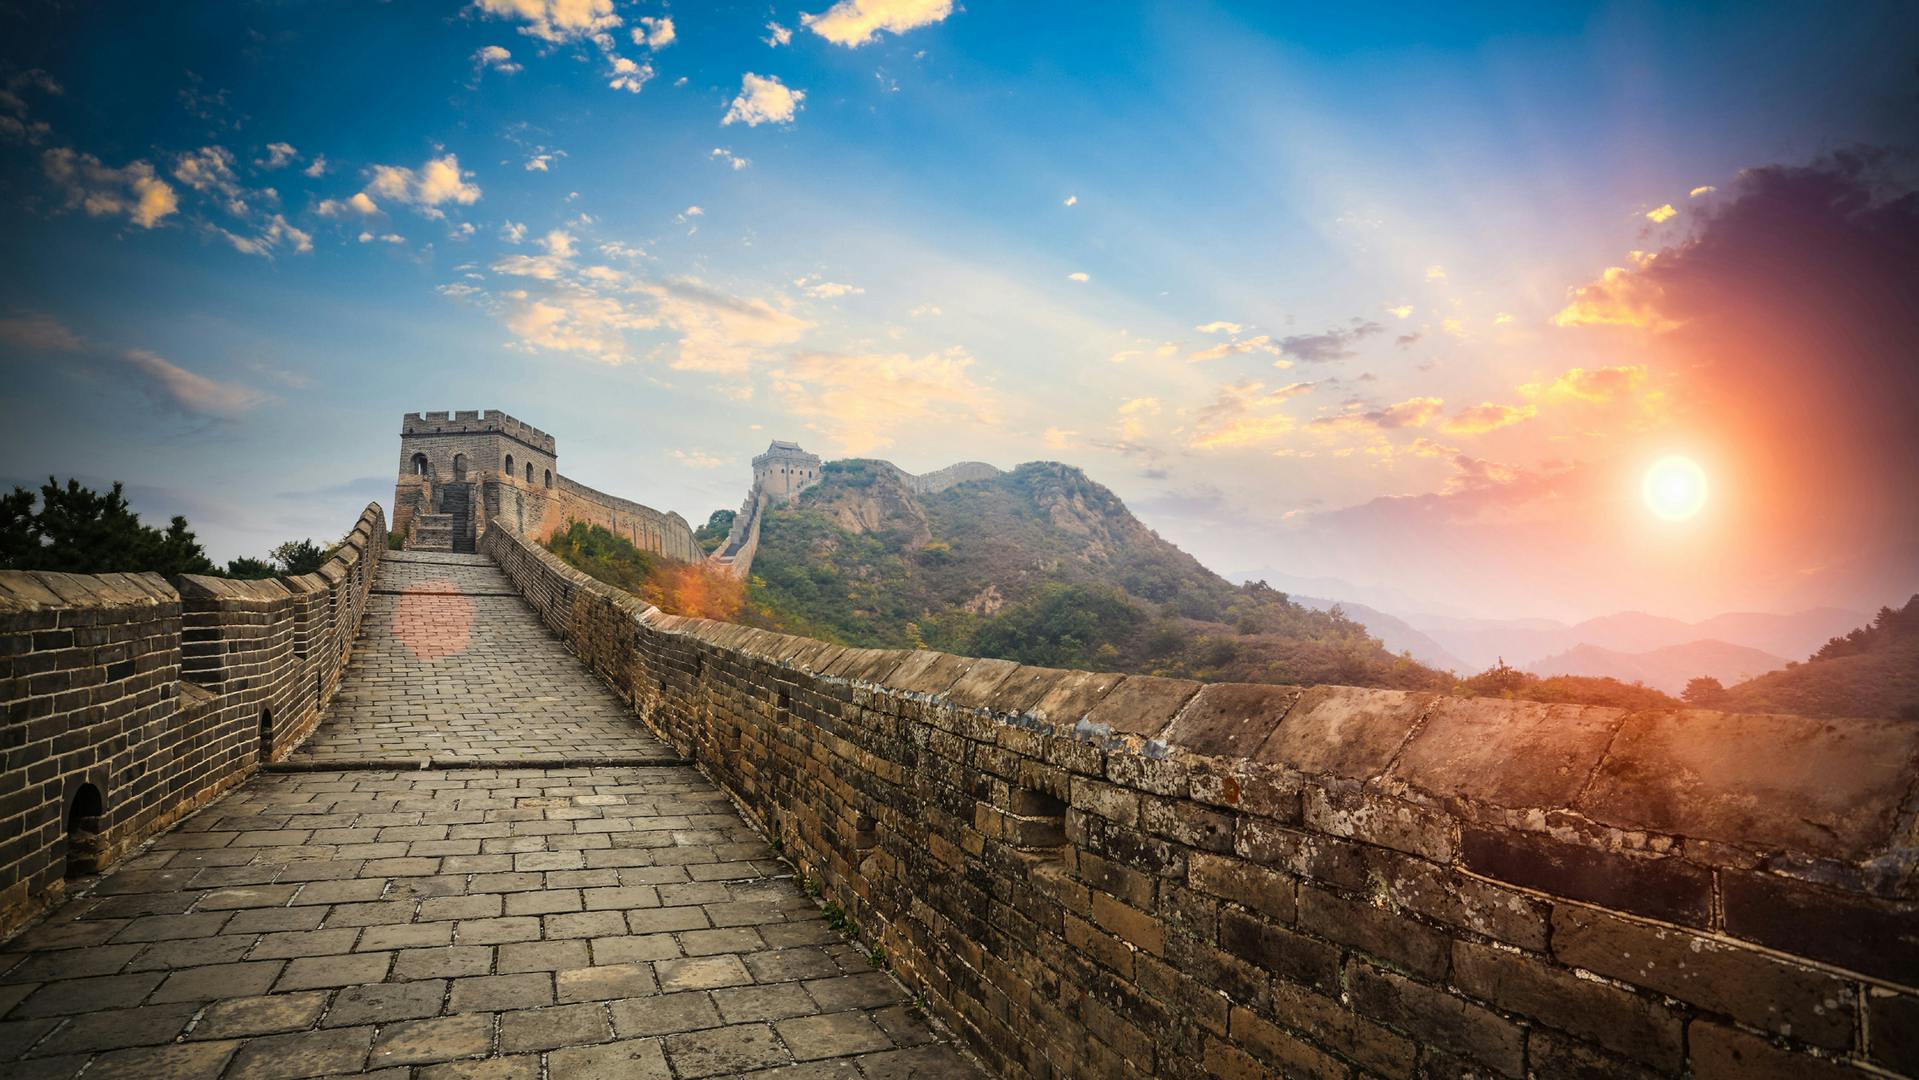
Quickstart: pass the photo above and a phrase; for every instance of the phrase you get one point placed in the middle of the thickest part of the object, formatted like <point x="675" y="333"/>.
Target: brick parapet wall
<point x="154" y="694"/>
<point x="1104" y="875"/>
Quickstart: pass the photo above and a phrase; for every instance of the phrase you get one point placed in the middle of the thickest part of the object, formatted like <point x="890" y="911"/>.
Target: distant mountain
<point x="1394" y="633"/>
<point x="1668" y="668"/>
<point x="1041" y="565"/>
<point x="1795" y="635"/>
<point x="1481" y="643"/>
<point x="1526" y="642"/>
<point x="1872" y="671"/>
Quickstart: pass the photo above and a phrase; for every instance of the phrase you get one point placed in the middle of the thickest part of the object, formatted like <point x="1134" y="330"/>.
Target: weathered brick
<point x="1274" y="948"/>
<point x="1723" y="1053"/>
<point x="1637" y="1027"/>
<point x="1873" y="936"/>
<point x="1228" y="878"/>
<point x="1429" y="1014"/>
<point x="1742" y="983"/>
<point x="1663" y="887"/>
<point x="1392" y="936"/>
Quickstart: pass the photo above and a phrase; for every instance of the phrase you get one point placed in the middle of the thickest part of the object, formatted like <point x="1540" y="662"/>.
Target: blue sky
<point x="1252" y="266"/>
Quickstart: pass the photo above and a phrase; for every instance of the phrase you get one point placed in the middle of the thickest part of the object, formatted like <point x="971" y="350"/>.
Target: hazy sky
<point x="1408" y="299"/>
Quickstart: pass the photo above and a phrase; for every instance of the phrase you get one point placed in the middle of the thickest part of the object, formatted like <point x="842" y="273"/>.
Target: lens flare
<point x="1675" y="488"/>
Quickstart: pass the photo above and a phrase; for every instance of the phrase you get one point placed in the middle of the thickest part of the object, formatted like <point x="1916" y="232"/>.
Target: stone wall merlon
<point x="31" y="591"/>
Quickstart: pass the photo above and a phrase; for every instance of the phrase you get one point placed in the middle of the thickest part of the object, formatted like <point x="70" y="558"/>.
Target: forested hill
<point x="1044" y="566"/>
<point x="1872" y="671"/>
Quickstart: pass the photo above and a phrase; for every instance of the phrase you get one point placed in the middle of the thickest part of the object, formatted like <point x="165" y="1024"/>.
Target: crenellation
<point x="150" y="694"/>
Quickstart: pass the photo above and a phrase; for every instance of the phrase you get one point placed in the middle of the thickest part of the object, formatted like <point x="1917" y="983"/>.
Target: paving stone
<point x="605" y="983"/>
<point x="381" y="1003"/>
<point x="319" y="971"/>
<point x="420" y="1042"/>
<point x="497" y="931"/>
<point x="542" y="956"/>
<point x="502" y="993"/>
<point x="666" y="1014"/>
<point x="308" y="1053"/>
<point x="178" y="1061"/>
<point x="114" y="1029"/>
<point x="266" y="1015"/>
<point x="88" y="995"/>
<point x="777" y="1002"/>
<point x="701" y="973"/>
<point x="217" y="981"/>
<point x="74" y="963"/>
<point x="546" y="1029"/>
<point x="443" y="963"/>
<point x="832" y="1035"/>
<point x="725" y="1050"/>
<point x="627" y="1059"/>
<point x="635" y="948"/>
<point x="405" y="936"/>
<point x="919" y="1063"/>
<point x="305" y="943"/>
<point x="863" y="991"/>
<point x="520" y="1067"/>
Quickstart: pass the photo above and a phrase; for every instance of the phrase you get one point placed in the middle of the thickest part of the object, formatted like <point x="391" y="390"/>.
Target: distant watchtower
<point x="785" y="470"/>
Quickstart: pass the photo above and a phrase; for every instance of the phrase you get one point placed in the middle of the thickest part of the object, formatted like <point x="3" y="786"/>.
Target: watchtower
<point x="444" y="456"/>
<point x="785" y="470"/>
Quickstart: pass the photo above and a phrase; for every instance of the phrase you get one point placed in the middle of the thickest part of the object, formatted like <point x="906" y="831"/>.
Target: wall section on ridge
<point x="1098" y="875"/>
<point x="154" y="697"/>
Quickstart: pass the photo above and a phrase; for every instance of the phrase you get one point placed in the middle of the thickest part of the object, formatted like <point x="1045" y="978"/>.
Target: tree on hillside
<point x="292" y="557"/>
<point x="77" y="530"/>
<point x="712" y="534"/>
<point x="1704" y="691"/>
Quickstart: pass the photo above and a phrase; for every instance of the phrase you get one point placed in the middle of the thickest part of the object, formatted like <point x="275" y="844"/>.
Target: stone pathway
<point x="452" y="665"/>
<point x="516" y="922"/>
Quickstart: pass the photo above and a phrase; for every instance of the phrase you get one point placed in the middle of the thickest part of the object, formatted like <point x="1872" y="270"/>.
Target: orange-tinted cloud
<point x="1487" y="416"/>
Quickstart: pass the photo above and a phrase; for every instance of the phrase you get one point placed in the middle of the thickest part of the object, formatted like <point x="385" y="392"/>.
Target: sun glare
<point x="1675" y="488"/>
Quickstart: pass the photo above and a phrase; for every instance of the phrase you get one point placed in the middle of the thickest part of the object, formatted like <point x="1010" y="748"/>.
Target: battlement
<point x="475" y="421"/>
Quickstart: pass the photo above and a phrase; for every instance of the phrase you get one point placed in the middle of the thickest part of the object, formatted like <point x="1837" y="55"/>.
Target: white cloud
<point x="278" y="154"/>
<point x="513" y="232"/>
<point x="542" y="159"/>
<point x="1219" y="326"/>
<point x="728" y="156"/>
<point x="395" y="238"/>
<point x="926" y="311"/>
<point x="858" y="401"/>
<point x="829" y="290"/>
<point x="559" y="244"/>
<point x="1436" y="272"/>
<point x="690" y="213"/>
<point x="1701" y="191"/>
<point x="720" y="332"/>
<point x="763" y="100"/>
<point x="1402" y="311"/>
<point x="358" y="204"/>
<point x="174" y="385"/>
<point x="699" y="459"/>
<point x="1659" y="215"/>
<point x="629" y="76"/>
<point x="777" y="35"/>
<point x="1080" y="276"/>
<point x="1072" y="200"/>
<point x="594" y="326"/>
<point x="853" y="23"/>
<point x="495" y="58"/>
<point x="654" y="33"/>
<point x="273" y="233"/>
<point x="317" y="169"/>
<point x="437" y="182"/>
<point x="134" y="189"/>
<point x="556" y="20"/>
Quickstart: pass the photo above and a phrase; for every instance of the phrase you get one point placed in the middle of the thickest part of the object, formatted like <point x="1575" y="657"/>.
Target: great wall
<point x="459" y="814"/>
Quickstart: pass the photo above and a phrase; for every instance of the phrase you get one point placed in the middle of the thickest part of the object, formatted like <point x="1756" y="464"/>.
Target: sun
<point x="1675" y="488"/>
